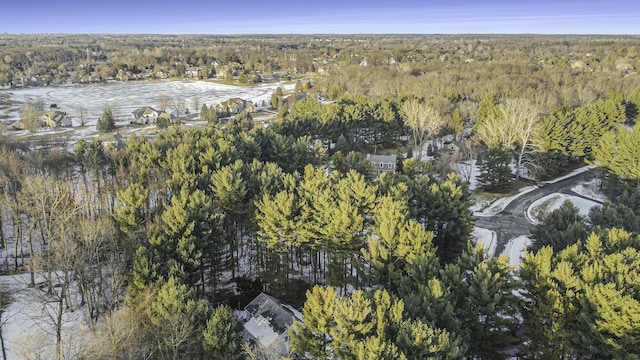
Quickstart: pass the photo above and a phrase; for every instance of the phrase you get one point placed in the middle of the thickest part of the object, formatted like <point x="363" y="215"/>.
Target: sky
<point x="321" y="17"/>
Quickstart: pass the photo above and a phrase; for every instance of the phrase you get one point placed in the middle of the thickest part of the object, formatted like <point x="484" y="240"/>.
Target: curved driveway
<point x="513" y="222"/>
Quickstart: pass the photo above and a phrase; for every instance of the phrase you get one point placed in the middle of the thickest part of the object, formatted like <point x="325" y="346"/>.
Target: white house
<point x="145" y="115"/>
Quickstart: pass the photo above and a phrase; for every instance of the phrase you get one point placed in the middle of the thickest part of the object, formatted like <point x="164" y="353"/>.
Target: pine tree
<point x="365" y="325"/>
<point x="563" y="227"/>
<point x="583" y="298"/>
<point x="618" y="151"/>
<point x="230" y="194"/>
<point x="190" y="226"/>
<point x="617" y="215"/>
<point x="487" y="307"/>
<point x="131" y="212"/>
<point x="176" y="320"/>
<point x="107" y="121"/>
<point x="222" y="336"/>
<point x="342" y="145"/>
<point x="495" y="174"/>
<point x="417" y="340"/>
<point x="488" y="109"/>
<point x="276" y="98"/>
<point x="353" y="161"/>
<point x="396" y="243"/>
<point x="442" y="207"/>
<point x="311" y="338"/>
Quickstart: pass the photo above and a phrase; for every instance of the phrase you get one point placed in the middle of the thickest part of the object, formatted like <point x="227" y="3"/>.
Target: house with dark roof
<point x="383" y="163"/>
<point x="268" y="322"/>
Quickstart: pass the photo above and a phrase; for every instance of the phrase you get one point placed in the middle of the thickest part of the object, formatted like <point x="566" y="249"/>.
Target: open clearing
<point x="128" y="96"/>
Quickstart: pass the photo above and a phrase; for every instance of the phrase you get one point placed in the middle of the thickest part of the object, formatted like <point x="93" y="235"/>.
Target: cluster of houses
<point x="144" y="115"/>
<point x="233" y="106"/>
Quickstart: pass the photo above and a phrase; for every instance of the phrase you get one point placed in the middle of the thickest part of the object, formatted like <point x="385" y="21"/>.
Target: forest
<point x="157" y="241"/>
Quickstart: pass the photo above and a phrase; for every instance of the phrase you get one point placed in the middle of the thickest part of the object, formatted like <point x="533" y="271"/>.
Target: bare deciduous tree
<point x="423" y="120"/>
<point x="178" y="106"/>
<point x="515" y="130"/>
<point x="195" y="102"/>
<point x="81" y="112"/>
<point x="163" y="102"/>
<point x="29" y="118"/>
<point x="524" y="121"/>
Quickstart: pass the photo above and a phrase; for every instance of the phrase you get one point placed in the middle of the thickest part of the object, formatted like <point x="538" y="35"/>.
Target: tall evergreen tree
<point x="396" y="243"/>
<point x="563" y="227"/>
<point x="107" y="121"/>
<point x="441" y="206"/>
<point x="582" y="302"/>
<point x="175" y="320"/>
<point x="618" y="151"/>
<point x="364" y="326"/>
<point x="495" y="174"/>
<point x="222" y="336"/>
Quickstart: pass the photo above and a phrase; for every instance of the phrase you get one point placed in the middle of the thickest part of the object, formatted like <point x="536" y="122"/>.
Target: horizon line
<point x="324" y="34"/>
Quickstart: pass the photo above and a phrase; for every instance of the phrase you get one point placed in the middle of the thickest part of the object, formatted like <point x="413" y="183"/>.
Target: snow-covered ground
<point x="574" y="172"/>
<point x="544" y="206"/>
<point x="27" y="323"/>
<point x="128" y="96"/>
<point x="495" y="207"/>
<point x="487" y="238"/>
<point x="590" y="189"/>
<point x="515" y="248"/>
<point x="469" y="172"/>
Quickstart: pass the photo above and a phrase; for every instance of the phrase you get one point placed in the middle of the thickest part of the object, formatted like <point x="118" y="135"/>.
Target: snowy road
<point x="512" y="223"/>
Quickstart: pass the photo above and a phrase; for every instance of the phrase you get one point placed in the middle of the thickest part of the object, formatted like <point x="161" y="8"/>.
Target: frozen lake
<point x="128" y="96"/>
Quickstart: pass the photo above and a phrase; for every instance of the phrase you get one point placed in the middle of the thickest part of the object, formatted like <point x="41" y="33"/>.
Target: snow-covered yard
<point x="542" y="207"/>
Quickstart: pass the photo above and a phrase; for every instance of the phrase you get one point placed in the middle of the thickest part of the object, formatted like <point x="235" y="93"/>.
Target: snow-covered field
<point x="487" y="238"/>
<point x="542" y="207"/>
<point x="128" y="96"/>
<point x="515" y="248"/>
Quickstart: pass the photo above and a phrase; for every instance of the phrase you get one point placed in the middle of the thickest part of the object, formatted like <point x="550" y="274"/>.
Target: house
<point x="268" y="322"/>
<point x="55" y="119"/>
<point x="193" y="71"/>
<point x="383" y="163"/>
<point x="451" y="148"/>
<point x="235" y="106"/>
<point x="145" y="115"/>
